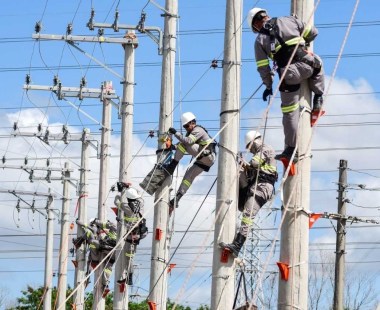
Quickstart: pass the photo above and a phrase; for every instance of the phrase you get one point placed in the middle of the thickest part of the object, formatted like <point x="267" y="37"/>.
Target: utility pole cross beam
<point x="87" y="39"/>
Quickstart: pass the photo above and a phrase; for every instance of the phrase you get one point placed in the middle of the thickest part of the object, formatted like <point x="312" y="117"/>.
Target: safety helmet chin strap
<point x="255" y="30"/>
<point x="258" y="17"/>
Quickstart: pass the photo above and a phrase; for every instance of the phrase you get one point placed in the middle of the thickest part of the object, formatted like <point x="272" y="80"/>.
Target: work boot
<point x="317" y="111"/>
<point x="317" y="103"/>
<point x="288" y="153"/>
<point x="235" y="246"/>
<point x="174" y="203"/>
<point x="130" y="278"/>
<point x="171" y="167"/>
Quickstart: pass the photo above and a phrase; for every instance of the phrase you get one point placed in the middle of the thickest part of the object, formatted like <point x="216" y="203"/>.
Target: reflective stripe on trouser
<point x="290" y="119"/>
<point x="252" y="207"/>
<point x="194" y="171"/>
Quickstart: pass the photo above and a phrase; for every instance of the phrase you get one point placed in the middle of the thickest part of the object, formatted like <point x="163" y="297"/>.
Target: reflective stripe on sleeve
<point x="262" y="63"/>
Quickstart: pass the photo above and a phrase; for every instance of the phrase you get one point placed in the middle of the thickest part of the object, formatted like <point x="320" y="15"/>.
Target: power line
<point x="208" y="31"/>
<point x="158" y="64"/>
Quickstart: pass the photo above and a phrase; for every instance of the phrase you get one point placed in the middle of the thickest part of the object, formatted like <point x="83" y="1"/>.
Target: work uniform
<point x="286" y="34"/>
<point x="193" y="143"/>
<point x="91" y="238"/>
<point x="101" y="238"/>
<point x="107" y="235"/>
<point x="264" y="164"/>
<point x="133" y="210"/>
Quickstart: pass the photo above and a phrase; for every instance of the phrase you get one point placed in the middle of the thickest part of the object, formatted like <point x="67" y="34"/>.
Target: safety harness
<point x="211" y="147"/>
<point x="283" y="51"/>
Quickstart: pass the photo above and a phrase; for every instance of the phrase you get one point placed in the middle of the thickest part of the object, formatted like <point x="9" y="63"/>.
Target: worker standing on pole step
<point x="284" y="39"/>
<point x="101" y="238"/>
<point x="107" y="235"/>
<point x="256" y="186"/>
<point x="91" y="239"/>
<point x="197" y="143"/>
<point x="132" y="204"/>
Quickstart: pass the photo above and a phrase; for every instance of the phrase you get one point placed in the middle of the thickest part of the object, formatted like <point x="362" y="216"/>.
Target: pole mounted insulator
<point x="83" y="82"/>
<point x="100" y="32"/>
<point x="65" y="132"/>
<point x="38" y="27"/>
<point x="214" y="64"/>
<point x="15" y="126"/>
<point x="141" y="25"/>
<point x="46" y="136"/>
<point x="69" y="29"/>
<point x="27" y="79"/>
<point x="55" y="80"/>
<point x="115" y="24"/>
<point x="90" y="23"/>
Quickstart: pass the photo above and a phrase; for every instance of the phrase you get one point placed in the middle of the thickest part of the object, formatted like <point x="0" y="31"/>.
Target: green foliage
<point x="204" y="307"/>
<point x="138" y="306"/>
<point x="32" y="299"/>
<point x="170" y="306"/>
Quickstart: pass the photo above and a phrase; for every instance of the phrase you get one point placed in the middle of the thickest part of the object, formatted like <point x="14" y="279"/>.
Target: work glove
<point x="172" y="130"/>
<point x="267" y="92"/>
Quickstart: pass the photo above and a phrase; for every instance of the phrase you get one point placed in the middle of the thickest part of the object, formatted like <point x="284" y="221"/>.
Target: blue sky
<point x="348" y="131"/>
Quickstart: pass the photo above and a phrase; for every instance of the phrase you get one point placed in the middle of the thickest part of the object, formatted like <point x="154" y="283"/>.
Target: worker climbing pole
<point x="196" y="142"/>
<point x="100" y="237"/>
<point x="256" y="186"/>
<point x="285" y="39"/>
<point x="129" y="200"/>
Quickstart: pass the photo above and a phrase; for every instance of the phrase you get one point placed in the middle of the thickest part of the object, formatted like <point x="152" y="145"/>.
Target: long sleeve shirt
<point x="292" y="31"/>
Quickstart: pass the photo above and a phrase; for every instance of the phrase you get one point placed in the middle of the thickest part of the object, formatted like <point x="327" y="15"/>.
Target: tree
<point x="359" y="289"/>
<point x="32" y="299"/>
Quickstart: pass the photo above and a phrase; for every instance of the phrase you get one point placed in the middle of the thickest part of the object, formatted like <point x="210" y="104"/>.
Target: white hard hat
<point x="132" y="193"/>
<point x="92" y="221"/>
<point x="251" y="136"/>
<point x="251" y="14"/>
<point x="187" y="117"/>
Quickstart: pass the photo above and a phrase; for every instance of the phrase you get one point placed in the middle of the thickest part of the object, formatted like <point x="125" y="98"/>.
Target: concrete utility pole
<point x="340" y="238"/>
<point x="223" y="274"/>
<point x="103" y="186"/>
<point x="64" y="246"/>
<point x="160" y="240"/>
<point x="49" y="254"/>
<point x="294" y="249"/>
<point x="120" y="297"/>
<point x="80" y="270"/>
<point x="48" y="277"/>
